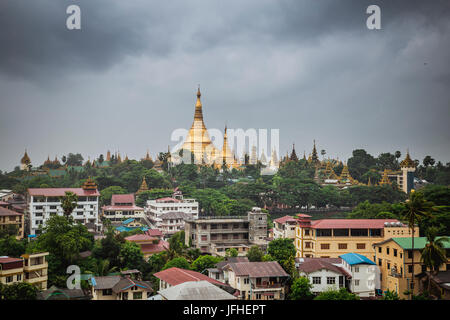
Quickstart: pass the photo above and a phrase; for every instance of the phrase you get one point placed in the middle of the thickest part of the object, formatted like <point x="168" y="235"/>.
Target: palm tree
<point x="69" y="203"/>
<point x="416" y="208"/>
<point x="433" y="254"/>
<point x="101" y="268"/>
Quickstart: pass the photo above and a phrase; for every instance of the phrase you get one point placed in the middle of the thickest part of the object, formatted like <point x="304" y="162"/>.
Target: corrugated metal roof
<point x="195" y="290"/>
<point x="419" y="242"/>
<point x="356" y="258"/>
<point x="258" y="269"/>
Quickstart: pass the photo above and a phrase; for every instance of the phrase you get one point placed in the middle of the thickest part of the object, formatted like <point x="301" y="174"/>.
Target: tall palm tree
<point x="416" y="208"/>
<point x="101" y="268"/>
<point x="433" y="254"/>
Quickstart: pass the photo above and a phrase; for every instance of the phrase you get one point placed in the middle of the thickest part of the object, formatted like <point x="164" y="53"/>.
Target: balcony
<point x="37" y="279"/>
<point x="35" y="267"/>
<point x="264" y="286"/>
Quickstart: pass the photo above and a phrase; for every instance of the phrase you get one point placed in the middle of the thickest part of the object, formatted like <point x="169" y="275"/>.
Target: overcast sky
<point x="309" y="68"/>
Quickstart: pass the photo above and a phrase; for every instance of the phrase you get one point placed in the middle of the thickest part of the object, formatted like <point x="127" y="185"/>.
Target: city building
<point x="217" y="272"/>
<point x="30" y="268"/>
<point x="256" y="280"/>
<point x="119" y="288"/>
<point x="149" y="245"/>
<point x="284" y="227"/>
<point x="330" y="238"/>
<point x="394" y="258"/>
<point x="175" y="276"/>
<point x="123" y="207"/>
<point x="43" y="203"/>
<point x="195" y="290"/>
<point x="154" y="209"/>
<point x="324" y="273"/>
<point x="11" y="219"/>
<point x="171" y="222"/>
<point x="365" y="275"/>
<point x="215" y="234"/>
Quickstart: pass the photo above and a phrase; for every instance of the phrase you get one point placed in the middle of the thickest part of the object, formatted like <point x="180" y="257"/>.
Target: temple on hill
<point x="199" y="143"/>
<point x="25" y="162"/>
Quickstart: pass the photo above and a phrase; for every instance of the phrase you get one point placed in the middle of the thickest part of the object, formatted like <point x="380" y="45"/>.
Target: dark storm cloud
<point x="310" y="68"/>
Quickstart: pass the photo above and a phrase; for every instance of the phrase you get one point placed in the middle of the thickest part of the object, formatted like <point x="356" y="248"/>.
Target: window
<point x="387" y="250"/>
<point x="409" y="254"/>
<point x="360" y="246"/>
<point x="424" y="268"/>
<point x="307" y="232"/>
<point x="246" y="280"/>
<point x="379" y="250"/>
<point x="316" y="280"/>
<point x="388" y="266"/>
<point x="342" y="246"/>
<point x="324" y="246"/>
<point x="258" y="296"/>
<point x="395" y="252"/>
<point x="356" y="269"/>
<point x="307" y="244"/>
<point x="356" y="282"/>
<point x="331" y="280"/>
<point x="359" y="232"/>
<point x="107" y="292"/>
<point x="323" y="232"/>
<point x="137" y="295"/>
<point x="19" y="277"/>
<point x="125" y="295"/>
<point x="204" y="237"/>
<point x="9" y="279"/>
<point x="340" y="232"/>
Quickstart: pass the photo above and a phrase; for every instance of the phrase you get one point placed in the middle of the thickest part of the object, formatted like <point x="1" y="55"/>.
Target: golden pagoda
<point x="126" y="158"/>
<point x="333" y="175"/>
<point x="119" y="159"/>
<point x="407" y="162"/>
<point x="143" y="186"/>
<point x="369" y="183"/>
<point x="293" y="156"/>
<point x="89" y="184"/>
<point x="148" y="157"/>
<point x="198" y="141"/>
<point x="108" y="156"/>
<point x="314" y="158"/>
<point x="227" y="156"/>
<point x="384" y="180"/>
<point x="47" y="162"/>
<point x="345" y="176"/>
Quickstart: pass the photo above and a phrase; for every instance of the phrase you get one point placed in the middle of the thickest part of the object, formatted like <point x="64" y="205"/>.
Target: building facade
<point x="365" y="275"/>
<point x="12" y="219"/>
<point x="284" y="227"/>
<point x="30" y="268"/>
<point x="122" y="207"/>
<point x="214" y="235"/>
<point x="43" y="203"/>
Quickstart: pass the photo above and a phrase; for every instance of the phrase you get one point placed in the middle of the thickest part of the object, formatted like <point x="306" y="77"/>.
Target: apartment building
<point x="123" y="207"/>
<point x="284" y="227"/>
<point x="215" y="234"/>
<point x="172" y="222"/>
<point x="12" y="219"/>
<point x="330" y="238"/>
<point x="394" y="258"/>
<point x="256" y="280"/>
<point x="30" y="268"/>
<point x="43" y="203"/>
<point x="365" y="274"/>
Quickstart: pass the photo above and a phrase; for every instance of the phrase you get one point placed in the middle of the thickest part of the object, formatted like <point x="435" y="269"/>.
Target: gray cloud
<point x="309" y="68"/>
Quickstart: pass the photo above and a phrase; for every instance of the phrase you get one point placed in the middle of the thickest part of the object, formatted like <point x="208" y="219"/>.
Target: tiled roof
<point x="9" y="260"/>
<point x="140" y="237"/>
<point x="174" y="276"/>
<point x="315" y="264"/>
<point x="7" y="212"/>
<point x="61" y="192"/>
<point x="257" y="269"/>
<point x="122" y="198"/>
<point x="126" y="283"/>
<point x="285" y="219"/>
<point x="106" y="282"/>
<point x="155" y="248"/>
<point x="154" y="232"/>
<point x="351" y="223"/>
<point x="228" y="260"/>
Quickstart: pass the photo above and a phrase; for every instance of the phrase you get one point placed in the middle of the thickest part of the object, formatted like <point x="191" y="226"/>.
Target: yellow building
<point x="35" y="269"/>
<point x="394" y="258"/>
<point x="31" y="268"/>
<point x="330" y="238"/>
<point x="9" y="218"/>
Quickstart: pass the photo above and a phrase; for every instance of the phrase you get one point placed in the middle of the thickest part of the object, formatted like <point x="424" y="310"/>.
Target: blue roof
<point x="128" y="221"/>
<point x="356" y="258"/>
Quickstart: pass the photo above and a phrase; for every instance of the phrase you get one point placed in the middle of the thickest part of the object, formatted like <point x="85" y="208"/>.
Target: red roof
<point x="122" y="198"/>
<point x="154" y="232"/>
<point x="9" y="260"/>
<point x="257" y="269"/>
<point x="167" y="200"/>
<point x="61" y="192"/>
<point x="155" y="248"/>
<point x="7" y="212"/>
<point x="174" y="276"/>
<point x="302" y="215"/>
<point x="140" y="237"/>
<point x="3" y="203"/>
<point x="285" y="219"/>
<point x="315" y="264"/>
<point x="351" y="223"/>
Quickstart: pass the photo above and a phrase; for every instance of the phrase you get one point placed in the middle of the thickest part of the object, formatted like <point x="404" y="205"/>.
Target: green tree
<point x="433" y="254"/>
<point x="283" y="251"/>
<point x="101" y="268"/>
<point x="107" y="193"/>
<point x="301" y="289"/>
<point x="255" y="254"/>
<point x="178" y="262"/>
<point x="390" y="295"/>
<point x="18" y="291"/>
<point x="341" y="294"/>
<point x="232" y="252"/>
<point x="130" y="255"/>
<point x="69" y="203"/>
<point x="10" y="246"/>
<point x="416" y="208"/>
<point x="205" y="262"/>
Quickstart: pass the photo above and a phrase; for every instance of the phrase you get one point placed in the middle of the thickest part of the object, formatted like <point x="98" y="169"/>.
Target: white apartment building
<point x="154" y="209"/>
<point x="365" y="274"/>
<point x="43" y="203"/>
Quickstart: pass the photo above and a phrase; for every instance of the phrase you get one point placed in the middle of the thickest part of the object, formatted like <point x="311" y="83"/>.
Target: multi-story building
<point x="330" y="238"/>
<point x="43" y="203"/>
<point x="215" y="234"/>
<point x="122" y="207"/>
<point x="30" y="268"/>
<point x="256" y="280"/>
<point x="365" y="274"/>
<point x="172" y="222"/>
<point x="35" y="269"/>
<point x="12" y="219"/>
<point x="154" y="209"/>
<point x="324" y="273"/>
<point x="284" y="227"/>
<point x="394" y="258"/>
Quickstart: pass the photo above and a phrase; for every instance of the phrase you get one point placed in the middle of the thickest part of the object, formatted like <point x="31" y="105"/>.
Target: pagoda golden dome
<point x="25" y="159"/>
<point x="407" y="162"/>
